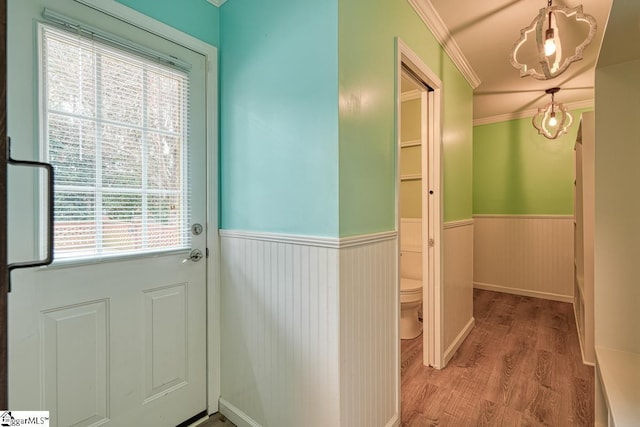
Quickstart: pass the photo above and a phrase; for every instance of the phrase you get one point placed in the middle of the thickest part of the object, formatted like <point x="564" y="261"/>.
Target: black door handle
<point x="50" y="196"/>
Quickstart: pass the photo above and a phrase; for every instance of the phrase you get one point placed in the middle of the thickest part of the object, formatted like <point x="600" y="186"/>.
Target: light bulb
<point x="549" y="43"/>
<point x="552" y="120"/>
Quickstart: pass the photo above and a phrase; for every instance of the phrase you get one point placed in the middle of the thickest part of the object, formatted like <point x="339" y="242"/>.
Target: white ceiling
<point x="486" y="30"/>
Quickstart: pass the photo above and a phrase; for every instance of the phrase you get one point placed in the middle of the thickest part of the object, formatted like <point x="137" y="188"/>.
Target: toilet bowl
<point x="410" y="302"/>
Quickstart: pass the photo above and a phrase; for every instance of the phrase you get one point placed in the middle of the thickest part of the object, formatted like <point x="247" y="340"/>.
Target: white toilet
<point x="410" y="293"/>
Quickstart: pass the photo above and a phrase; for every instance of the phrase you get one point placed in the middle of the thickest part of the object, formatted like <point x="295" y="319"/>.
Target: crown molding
<point x="217" y="3"/>
<point x="431" y="18"/>
<point x="528" y="113"/>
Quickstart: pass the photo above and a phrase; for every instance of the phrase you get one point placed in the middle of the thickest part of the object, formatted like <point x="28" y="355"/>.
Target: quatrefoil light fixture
<point x="553" y="120"/>
<point x="554" y="39"/>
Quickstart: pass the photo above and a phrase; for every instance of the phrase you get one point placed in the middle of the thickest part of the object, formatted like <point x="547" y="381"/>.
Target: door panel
<point x="165" y="311"/>
<point x="75" y="355"/>
<point x="115" y="341"/>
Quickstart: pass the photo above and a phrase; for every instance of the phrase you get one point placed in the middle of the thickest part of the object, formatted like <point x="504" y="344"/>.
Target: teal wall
<point x="518" y="172"/>
<point x="197" y="18"/>
<point x="278" y="108"/>
<point x="367" y="67"/>
<point x="279" y="116"/>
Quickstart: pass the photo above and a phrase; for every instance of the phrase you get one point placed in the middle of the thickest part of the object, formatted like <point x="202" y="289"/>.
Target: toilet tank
<point x="411" y="265"/>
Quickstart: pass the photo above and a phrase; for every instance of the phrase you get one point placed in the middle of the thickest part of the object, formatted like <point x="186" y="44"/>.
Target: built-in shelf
<point x="414" y="177"/>
<point x="414" y="143"/>
<point x="620" y="379"/>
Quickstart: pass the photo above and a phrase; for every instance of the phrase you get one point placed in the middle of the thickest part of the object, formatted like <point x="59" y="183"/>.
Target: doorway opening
<point x="419" y="206"/>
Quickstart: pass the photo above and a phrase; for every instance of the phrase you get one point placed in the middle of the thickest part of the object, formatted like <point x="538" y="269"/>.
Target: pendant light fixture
<point x="554" y="39"/>
<point x="553" y="120"/>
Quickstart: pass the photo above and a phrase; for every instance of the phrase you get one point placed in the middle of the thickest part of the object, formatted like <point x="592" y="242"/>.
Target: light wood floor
<point x="520" y="366"/>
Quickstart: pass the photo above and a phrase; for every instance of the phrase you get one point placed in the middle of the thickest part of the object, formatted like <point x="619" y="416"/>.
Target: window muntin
<point x="115" y="127"/>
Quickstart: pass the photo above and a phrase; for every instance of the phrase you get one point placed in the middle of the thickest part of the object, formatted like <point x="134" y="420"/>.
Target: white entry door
<point x="114" y="331"/>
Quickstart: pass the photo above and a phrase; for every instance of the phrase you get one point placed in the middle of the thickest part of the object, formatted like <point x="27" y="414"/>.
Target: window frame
<point x="143" y="55"/>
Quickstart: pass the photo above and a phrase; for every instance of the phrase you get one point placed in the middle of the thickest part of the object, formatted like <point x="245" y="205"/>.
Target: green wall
<point x="367" y="68"/>
<point x="518" y="172"/>
<point x="197" y="18"/>
<point x="308" y="138"/>
<point x="279" y="116"/>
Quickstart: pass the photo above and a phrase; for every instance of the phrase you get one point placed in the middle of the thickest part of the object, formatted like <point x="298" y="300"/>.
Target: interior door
<point x="114" y="331"/>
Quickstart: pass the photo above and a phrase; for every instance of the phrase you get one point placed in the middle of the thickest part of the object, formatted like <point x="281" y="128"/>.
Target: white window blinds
<point x="115" y="128"/>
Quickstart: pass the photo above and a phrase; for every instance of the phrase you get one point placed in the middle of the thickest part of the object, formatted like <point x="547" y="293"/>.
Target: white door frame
<point x="431" y="139"/>
<point x="124" y="13"/>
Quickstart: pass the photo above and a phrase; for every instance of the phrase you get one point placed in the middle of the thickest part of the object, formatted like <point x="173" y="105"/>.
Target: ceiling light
<point x="541" y="53"/>
<point x="549" y="42"/>
<point x="553" y="120"/>
<point x="550" y="37"/>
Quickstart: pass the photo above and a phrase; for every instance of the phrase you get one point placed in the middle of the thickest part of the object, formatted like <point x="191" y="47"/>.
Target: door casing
<point x="431" y="161"/>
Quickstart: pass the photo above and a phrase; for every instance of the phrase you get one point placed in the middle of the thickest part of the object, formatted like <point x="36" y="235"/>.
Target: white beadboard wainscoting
<point x="529" y="255"/>
<point x="369" y="313"/>
<point x="458" y="258"/>
<point x="309" y="330"/>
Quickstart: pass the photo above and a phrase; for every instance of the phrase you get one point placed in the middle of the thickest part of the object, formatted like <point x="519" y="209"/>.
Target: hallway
<point x="521" y="365"/>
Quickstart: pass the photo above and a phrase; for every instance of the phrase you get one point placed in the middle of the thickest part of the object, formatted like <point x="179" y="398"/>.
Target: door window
<point x="115" y="128"/>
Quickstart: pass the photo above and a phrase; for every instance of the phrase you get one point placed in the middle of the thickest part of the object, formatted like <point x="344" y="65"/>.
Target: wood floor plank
<point x="544" y="368"/>
<point x="520" y="366"/>
<point x="582" y="402"/>
<point x="543" y="406"/>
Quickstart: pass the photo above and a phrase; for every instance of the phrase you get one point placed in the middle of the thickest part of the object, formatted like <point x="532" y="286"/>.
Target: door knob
<point x="195" y="256"/>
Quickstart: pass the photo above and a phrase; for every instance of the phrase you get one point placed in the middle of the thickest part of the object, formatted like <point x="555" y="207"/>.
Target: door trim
<point x="431" y="139"/>
<point x="4" y="278"/>
<point x="210" y="52"/>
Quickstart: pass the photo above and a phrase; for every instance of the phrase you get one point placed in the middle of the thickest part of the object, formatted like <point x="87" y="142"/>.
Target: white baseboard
<point x="448" y="354"/>
<point x="235" y="415"/>
<point x="394" y="422"/>
<point x="202" y="420"/>
<point x="524" y="292"/>
<point x="584" y="361"/>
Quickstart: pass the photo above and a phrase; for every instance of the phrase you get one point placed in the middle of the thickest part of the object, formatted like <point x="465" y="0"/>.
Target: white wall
<point x="458" y="284"/>
<point x="309" y="330"/>
<point x="369" y="340"/>
<point x="617" y="230"/>
<point x="525" y="255"/>
<point x="279" y="332"/>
